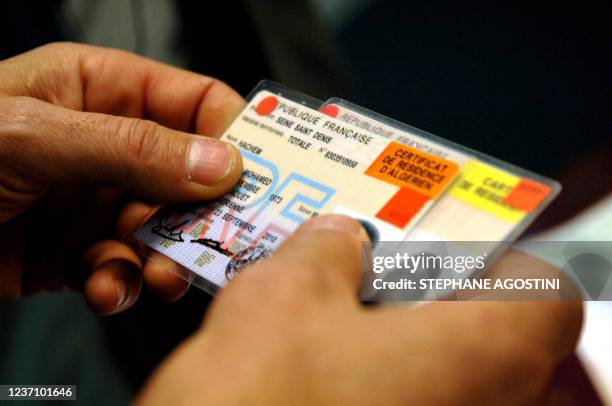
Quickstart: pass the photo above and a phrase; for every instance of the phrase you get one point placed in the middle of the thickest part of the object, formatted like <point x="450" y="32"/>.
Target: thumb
<point x="42" y="145"/>
<point x="321" y="259"/>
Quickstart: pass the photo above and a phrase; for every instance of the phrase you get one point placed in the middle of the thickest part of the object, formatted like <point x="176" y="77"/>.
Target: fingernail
<point x="209" y="161"/>
<point x="122" y="293"/>
<point x="336" y="222"/>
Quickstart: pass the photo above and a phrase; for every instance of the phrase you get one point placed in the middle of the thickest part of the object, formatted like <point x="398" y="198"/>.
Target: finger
<point x="115" y="280"/>
<point x="517" y="265"/>
<point x="115" y="82"/>
<point x="161" y="275"/>
<point x="136" y="155"/>
<point x="133" y="215"/>
<point x="511" y="347"/>
<point x="322" y="257"/>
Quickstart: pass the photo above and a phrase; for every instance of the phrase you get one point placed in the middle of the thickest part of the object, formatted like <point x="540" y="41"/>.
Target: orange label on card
<point x="408" y="167"/>
<point x="402" y="207"/>
<point x="527" y="195"/>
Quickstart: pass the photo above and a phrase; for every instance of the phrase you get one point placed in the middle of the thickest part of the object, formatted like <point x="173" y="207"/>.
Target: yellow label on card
<point x="486" y="187"/>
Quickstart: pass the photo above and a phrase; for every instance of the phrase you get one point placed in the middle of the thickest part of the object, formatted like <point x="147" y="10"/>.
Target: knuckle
<point x="19" y="126"/>
<point x="17" y="114"/>
<point x="142" y="139"/>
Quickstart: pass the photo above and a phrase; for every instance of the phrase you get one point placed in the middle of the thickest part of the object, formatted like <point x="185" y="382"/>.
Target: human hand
<point x="81" y="125"/>
<point x="290" y="330"/>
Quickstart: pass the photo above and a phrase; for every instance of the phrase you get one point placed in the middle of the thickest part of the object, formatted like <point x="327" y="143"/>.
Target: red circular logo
<point x="330" y="110"/>
<point x="266" y="106"/>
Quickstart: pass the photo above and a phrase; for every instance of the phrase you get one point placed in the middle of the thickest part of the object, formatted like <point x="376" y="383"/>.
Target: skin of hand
<point x="291" y="330"/>
<point x="82" y="129"/>
<point x="80" y="124"/>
